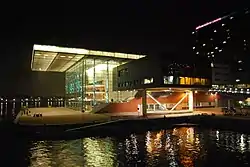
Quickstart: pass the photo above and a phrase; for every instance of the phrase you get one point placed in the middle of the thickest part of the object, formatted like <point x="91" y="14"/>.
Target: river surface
<point x="182" y="146"/>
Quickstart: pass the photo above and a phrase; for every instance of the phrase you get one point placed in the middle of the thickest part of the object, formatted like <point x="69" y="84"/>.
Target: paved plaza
<point x="62" y="116"/>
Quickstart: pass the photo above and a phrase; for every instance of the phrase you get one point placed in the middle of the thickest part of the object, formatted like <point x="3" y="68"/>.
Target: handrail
<point x="94" y="125"/>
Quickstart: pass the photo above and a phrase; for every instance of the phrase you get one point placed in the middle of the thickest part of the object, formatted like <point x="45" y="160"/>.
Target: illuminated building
<point x="88" y="73"/>
<point x="97" y="81"/>
<point x="225" y="42"/>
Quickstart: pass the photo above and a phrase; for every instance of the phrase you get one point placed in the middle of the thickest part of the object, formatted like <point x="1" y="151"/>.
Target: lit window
<point x="168" y="79"/>
<point x="197" y="53"/>
<point x="212" y="55"/>
<point x="237" y="80"/>
<point x="216" y="47"/>
<point x="204" y="44"/>
<point x="148" y="81"/>
<point x="240" y="61"/>
<point x="220" y="50"/>
<point x="193" y="47"/>
<point x="224" y="41"/>
<point x="212" y="52"/>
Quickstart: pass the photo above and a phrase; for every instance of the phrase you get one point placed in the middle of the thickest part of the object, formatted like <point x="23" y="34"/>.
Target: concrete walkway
<point x="59" y="116"/>
<point x="62" y="116"/>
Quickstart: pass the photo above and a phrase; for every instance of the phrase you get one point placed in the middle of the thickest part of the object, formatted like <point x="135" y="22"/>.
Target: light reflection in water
<point x="178" y="143"/>
<point x="184" y="146"/>
<point x="99" y="152"/>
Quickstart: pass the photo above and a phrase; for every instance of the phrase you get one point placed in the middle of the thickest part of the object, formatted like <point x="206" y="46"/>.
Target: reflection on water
<point x="184" y="146"/>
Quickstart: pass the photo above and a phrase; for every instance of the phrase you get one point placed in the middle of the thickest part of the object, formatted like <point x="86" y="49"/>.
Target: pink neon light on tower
<point x="208" y="23"/>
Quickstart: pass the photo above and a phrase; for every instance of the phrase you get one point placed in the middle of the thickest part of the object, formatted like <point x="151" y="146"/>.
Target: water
<point x="184" y="146"/>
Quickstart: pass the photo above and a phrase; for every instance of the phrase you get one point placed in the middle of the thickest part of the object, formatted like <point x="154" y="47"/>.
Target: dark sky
<point x="129" y="26"/>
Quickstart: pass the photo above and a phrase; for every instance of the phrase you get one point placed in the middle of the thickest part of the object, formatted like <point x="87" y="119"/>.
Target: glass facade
<point x="89" y="83"/>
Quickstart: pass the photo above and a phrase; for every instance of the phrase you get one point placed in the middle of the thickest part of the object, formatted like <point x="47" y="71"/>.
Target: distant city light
<point x="208" y="23"/>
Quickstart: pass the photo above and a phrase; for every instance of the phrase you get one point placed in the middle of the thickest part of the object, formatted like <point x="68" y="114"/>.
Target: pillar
<point x="216" y="102"/>
<point x="228" y="103"/>
<point x="144" y="102"/>
<point x="190" y="101"/>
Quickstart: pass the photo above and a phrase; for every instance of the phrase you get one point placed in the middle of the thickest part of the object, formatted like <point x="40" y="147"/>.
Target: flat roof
<point x="59" y="59"/>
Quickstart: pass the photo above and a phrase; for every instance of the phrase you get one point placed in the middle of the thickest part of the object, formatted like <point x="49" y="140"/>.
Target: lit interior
<point x="59" y="59"/>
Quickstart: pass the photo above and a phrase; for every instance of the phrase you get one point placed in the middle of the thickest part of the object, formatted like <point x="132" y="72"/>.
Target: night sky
<point x="130" y="26"/>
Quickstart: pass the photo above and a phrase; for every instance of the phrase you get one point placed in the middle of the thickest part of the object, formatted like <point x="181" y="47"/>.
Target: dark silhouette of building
<point x="225" y="40"/>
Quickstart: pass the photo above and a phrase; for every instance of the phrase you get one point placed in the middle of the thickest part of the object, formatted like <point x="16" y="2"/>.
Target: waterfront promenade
<point x="65" y="116"/>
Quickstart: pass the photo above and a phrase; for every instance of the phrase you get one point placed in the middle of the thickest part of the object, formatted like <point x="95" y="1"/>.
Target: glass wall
<point x="73" y="86"/>
<point x="89" y="83"/>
